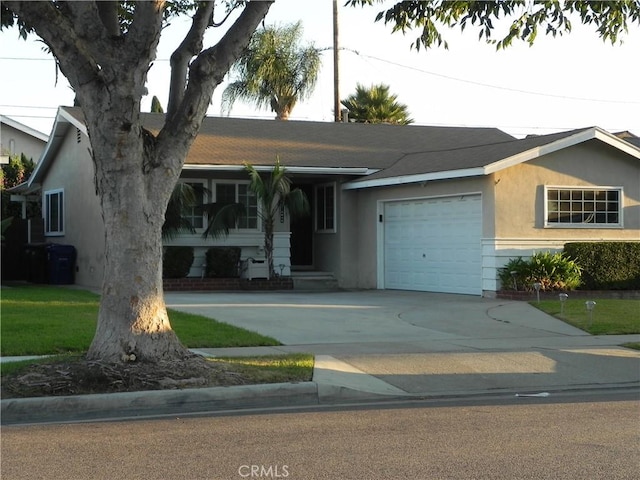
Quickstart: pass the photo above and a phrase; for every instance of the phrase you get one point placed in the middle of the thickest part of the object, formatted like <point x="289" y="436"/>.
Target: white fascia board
<point x="72" y="120"/>
<point x="580" y="137"/>
<point x="616" y="142"/>
<point x="419" y="178"/>
<point x="58" y="132"/>
<point x="266" y="168"/>
<point x="24" y="128"/>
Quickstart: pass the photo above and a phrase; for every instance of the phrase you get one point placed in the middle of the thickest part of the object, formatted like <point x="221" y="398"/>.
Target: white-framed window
<point x="239" y="192"/>
<point x="583" y="207"/>
<point x="325" y="214"/>
<point x="54" y="212"/>
<point x="194" y="214"/>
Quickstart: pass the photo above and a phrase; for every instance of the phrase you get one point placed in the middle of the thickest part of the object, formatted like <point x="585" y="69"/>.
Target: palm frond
<point x="222" y="218"/>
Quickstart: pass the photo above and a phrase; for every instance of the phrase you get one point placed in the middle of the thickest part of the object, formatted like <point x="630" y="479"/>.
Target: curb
<point x="155" y="402"/>
<point x="130" y="405"/>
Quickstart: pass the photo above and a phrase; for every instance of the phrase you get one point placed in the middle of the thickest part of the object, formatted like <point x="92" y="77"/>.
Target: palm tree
<point x="274" y="193"/>
<point x="376" y="105"/>
<point x="274" y="71"/>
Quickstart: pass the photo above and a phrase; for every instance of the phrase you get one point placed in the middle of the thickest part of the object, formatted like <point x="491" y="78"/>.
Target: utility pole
<point x="336" y="75"/>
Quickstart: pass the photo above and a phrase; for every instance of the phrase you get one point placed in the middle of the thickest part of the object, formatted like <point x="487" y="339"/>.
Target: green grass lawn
<point x="610" y="316"/>
<point x="46" y="320"/>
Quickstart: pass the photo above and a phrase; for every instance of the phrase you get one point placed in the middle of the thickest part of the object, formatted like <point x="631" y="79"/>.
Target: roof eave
<point x="418" y="178"/>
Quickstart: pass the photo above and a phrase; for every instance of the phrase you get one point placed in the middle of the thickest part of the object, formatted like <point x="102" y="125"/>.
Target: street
<point x="537" y="438"/>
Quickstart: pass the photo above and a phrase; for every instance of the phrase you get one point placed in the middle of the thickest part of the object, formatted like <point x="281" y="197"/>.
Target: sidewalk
<point x="376" y="346"/>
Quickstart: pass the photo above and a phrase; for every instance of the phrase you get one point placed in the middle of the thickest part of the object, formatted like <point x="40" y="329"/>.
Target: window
<point x="54" y="212"/>
<point x="194" y="214"/>
<point x="570" y="207"/>
<point x="227" y="193"/>
<point x="325" y="208"/>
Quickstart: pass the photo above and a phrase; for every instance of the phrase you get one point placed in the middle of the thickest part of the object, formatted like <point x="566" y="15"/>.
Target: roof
<point x="23" y="128"/>
<point x="234" y="141"/>
<point x="373" y="154"/>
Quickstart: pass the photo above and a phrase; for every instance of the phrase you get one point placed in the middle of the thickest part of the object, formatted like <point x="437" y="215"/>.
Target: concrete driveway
<point x="415" y="343"/>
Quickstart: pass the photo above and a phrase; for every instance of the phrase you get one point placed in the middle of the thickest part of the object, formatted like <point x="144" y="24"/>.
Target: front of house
<point x="393" y="207"/>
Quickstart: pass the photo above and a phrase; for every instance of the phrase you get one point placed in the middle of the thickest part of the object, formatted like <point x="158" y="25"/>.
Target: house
<point x="17" y="138"/>
<point x="394" y="207"/>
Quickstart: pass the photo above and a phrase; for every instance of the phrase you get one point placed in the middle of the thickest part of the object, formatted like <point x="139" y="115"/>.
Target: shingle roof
<point x="233" y="141"/>
<point x="460" y="158"/>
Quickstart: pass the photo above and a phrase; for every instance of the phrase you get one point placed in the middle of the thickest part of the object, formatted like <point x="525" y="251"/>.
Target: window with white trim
<point x="227" y="193"/>
<point x="573" y="207"/>
<point x="54" y="212"/>
<point x="194" y="213"/>
<point x="326" y="208"/>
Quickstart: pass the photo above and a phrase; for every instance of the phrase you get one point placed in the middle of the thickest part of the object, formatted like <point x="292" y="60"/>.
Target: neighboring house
<point x="17" y="138"/>
<point x="394" y="207"/>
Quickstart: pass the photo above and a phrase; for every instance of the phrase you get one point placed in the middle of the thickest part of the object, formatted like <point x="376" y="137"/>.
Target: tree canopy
<point x="376" y="105"/>
<point x="274" y="71"/>
<point x="524" y="19"/>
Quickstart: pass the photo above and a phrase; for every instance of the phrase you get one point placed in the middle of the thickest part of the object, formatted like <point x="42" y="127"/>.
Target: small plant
<point x="553" y="271"/>
<point x="176" y="262"/>
<point x="223" y="262"/>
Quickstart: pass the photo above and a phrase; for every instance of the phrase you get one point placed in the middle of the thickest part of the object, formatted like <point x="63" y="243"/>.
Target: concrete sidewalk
<point x="372" y="346"/>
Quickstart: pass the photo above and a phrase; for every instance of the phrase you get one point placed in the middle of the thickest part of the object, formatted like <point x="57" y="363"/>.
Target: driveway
<point x="415" y="343"/>
<point x="372" y="316"/>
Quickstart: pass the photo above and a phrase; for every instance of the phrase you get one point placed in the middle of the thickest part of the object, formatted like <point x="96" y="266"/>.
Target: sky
<point x="560" y="83"/>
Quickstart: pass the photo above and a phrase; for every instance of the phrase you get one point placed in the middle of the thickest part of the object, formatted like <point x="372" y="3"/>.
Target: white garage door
<point x="433" y="245"/>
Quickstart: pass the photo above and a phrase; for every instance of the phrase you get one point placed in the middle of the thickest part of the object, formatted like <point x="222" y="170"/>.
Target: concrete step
<point x="314" y="281"/>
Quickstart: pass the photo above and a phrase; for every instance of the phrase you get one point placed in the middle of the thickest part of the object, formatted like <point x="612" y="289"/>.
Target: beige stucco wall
<point x="519" y="192"/>
<point x="74" y="172"/>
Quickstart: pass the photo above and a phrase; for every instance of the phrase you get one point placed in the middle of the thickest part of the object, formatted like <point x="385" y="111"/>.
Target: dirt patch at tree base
<point x="79" y="376"/>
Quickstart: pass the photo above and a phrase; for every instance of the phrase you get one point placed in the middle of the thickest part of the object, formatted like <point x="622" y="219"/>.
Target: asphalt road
<point x="533" y="438"/>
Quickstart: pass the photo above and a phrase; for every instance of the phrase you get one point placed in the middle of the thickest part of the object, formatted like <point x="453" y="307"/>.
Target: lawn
<point x="59" y="321"/>
<point x="609" y="316"/>
<point x="45" y="320"/>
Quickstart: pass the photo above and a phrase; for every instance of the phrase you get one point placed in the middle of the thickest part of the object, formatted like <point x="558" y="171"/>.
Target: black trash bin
<point x="61" y="263"/>
<point x="35" y="255"/>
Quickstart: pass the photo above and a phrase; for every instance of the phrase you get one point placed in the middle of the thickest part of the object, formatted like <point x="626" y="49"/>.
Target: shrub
<point x="222" y="262"/>
<point x="554" y="271"/>
<point x="607" y="265"/>
<point x="176" y="262"/>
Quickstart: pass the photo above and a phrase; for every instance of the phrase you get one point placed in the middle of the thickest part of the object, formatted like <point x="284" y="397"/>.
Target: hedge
<point x="607" y="265"/>
<point x="223" y="262"/>
<point x="176" y="262"/>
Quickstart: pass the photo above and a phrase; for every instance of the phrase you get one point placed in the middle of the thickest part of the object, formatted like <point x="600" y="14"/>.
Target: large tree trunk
<point x="132" y="323"/>
<point x="135" y="170"/>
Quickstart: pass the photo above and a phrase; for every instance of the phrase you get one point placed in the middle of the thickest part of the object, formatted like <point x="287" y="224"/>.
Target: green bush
<point x="554" y="271"/>
<point x="176" y="262"/>
<point x="607" y="265"/>
<point x="222" y="262"/>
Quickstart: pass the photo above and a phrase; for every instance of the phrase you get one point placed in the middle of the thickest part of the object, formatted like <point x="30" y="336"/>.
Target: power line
<point x="488" y="85"/>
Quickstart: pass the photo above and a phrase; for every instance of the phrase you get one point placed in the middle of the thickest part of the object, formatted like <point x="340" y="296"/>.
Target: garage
<point x="434" y="244"/>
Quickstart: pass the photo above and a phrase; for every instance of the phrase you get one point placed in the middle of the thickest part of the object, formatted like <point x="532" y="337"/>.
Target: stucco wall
<point x="519" y="192"/>
<point x="15" y="142"/>
<point x="73" y="171"/>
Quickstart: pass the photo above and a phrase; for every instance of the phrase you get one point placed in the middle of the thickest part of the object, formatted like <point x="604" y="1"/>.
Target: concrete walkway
<point x="377" y="345"/>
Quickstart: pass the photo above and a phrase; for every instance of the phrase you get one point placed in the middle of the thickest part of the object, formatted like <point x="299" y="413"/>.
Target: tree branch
<point x="59" y="33"/>
<point x="205" y="73"/>
<point x="190" y="46"/>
